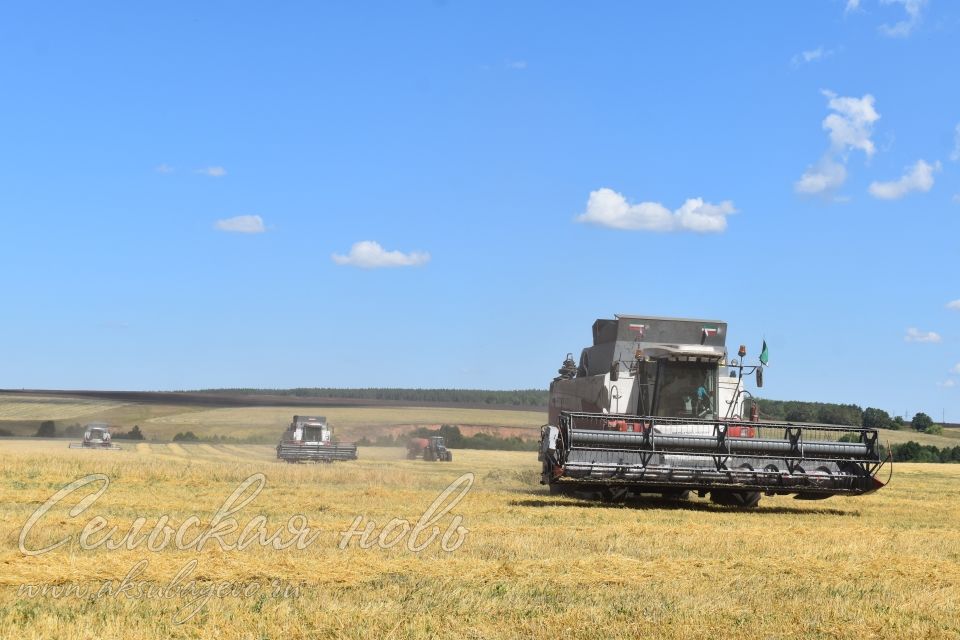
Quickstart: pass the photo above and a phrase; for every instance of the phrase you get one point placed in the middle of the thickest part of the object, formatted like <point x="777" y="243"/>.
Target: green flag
<point x="764" y="354"/>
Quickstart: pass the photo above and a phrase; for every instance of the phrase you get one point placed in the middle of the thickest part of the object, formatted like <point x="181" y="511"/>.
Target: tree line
<point x="454" y="439"/>
<point x="914" y="452"/>
<point x="48" y="429"/>
<point x="190" y="436"/>
<point x="516" y="397"/>
<point x="842" y="414"/>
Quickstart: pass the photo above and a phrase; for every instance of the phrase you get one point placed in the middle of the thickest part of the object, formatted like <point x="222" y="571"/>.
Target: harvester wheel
<point x="742" y="499"/>
<point x="614" y="494"/>
<point x="560" y="490"/>
<point x="449" y="457"/>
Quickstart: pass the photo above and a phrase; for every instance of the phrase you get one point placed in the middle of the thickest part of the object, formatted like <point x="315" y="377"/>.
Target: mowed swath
<point x="883" y="566"/>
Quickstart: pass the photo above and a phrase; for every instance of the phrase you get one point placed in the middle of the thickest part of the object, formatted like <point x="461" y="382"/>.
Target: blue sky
<point x="448" y="194"/>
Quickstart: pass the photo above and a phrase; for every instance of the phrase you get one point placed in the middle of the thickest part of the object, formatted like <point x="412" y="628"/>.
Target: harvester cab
<point x="654" y="406"/>
<point x="437" y="450"/>
<point x="310" y="439"/>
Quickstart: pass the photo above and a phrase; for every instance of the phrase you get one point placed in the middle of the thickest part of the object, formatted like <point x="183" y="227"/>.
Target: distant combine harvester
<point x="310" y="439"/>
<point x="96" y="436"/>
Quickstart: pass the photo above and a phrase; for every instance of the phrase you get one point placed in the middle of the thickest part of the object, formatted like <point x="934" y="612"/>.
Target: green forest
<point x="516" y="398"/>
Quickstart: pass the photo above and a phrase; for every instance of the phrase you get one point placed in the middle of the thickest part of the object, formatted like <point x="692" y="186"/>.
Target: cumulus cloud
<point x="919" y="177"/>
<point x="811" y="56"/>
<point x="213" y="172"/>
<point x="954" y="304"/>
<point x="163" y="168"/>
<point x="849" y="127"/>
<point x="852" y="5"/>
<point x="956" y="368"/>
<point x="368" y="254"/>
<point x="915" y="335"/>
<point x="241" y="224"/>
<point x="607" y="208"/>
<point x="826" y="176"/>
<point x="904" y="28"/>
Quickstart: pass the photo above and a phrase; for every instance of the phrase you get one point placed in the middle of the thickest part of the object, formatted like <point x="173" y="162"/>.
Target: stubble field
<point x="530" y="564"/>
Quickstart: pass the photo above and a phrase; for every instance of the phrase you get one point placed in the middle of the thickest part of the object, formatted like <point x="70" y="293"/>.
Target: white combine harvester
<point x="96" y="436"/>
<point x="310" y="439"/>
<point x="654" y="406"/>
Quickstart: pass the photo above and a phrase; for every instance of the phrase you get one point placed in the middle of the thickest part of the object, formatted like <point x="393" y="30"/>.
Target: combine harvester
<point x="310" y="439"/>
<point x="96" y="436"/>
<point x="654" y="407"/>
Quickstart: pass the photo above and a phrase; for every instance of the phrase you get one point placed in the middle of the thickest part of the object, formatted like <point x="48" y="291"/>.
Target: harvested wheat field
<point x="506" y="560"/>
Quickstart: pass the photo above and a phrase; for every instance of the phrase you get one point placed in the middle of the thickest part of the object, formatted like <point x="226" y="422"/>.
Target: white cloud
<point x="919" y="177"/>
<point x="241" y="224"/>
<point x="852" y="5"/>
<point x="850" y="127"/>
<point x="825" y="177"/>
<point x="811" y="56"/>
<point x="956" y="198"/>
<point x="370" y="255"/>
<point x="852" y="124"/>
<point x="955" y="154"/>
<point x="518" y="65"/>
<point x="163" y="168"/>
<point x="948" y="383"/>
<point x="954" y="304"/>
<point x="904" y="28"/>
<point x="956" y="368"/>
<point x="915" y="335"/>
<point x="607" y="208"/>
<point x="213" y="172"/>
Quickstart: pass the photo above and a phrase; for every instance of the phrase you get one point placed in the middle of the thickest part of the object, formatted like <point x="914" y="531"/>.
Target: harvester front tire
<point x="614" y="494"/>
<point x="560" y="490"/>
<point x="741" y="499"/>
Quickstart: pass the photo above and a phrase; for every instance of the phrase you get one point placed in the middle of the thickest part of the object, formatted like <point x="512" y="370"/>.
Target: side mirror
<point x="759" y="377"/>
<point x="615" y="372"/>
